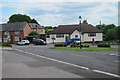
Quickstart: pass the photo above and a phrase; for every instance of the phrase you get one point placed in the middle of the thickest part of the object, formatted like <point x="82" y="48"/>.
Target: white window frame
<point x="5" y="39"/>
<point x="17" y="32"/>
<point x="6" y="33"/>
<point x="17" y="38"/>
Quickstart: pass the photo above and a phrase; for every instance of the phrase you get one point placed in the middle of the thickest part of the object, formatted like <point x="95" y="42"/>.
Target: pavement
<point x="41" y="62"/>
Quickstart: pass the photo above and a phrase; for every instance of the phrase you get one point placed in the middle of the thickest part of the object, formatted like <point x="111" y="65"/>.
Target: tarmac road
<point x="75" y="64"/>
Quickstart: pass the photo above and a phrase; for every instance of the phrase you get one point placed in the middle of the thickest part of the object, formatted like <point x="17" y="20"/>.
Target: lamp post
<point x="80" y="30"/>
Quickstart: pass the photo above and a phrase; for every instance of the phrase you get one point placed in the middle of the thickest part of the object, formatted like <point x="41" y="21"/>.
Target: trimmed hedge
<point x="60" y="45"/>
<point x="103" y="45"/>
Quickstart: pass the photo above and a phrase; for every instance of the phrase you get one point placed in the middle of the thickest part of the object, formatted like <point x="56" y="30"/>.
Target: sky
<point x="56" y="12"/>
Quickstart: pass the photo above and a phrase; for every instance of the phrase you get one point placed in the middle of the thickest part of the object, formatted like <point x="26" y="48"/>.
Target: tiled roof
<point x="33" y="26"/>
<point x="12" y="26"/>
<point x="68" y="29"/>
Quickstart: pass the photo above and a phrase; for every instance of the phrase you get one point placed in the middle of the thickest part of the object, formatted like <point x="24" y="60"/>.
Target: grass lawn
<point x="83" y="49"/>
<point x="4" y="46"/>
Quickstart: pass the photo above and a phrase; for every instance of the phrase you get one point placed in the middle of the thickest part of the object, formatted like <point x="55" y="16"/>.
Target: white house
<point x="65" y="32"/>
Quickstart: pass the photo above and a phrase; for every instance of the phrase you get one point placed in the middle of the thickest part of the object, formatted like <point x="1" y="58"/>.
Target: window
<point x="59" y="35"/>
<point x="16" y="38"/>
<point x="6" y="33"/>
<point x="76" y="36"/>
<point x="5" y="39"/>
<point x="92" y="34"/>
<point x="41" y="30"/>
<point x="17" y="32"/>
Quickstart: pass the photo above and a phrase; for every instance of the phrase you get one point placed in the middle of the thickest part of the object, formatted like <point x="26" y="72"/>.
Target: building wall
<point x="84" y="37"/>
<point x="12" y="36"/>
<point x="98" y="37"/>
<point x="27" y="30"/>
<point x="58" y="39"/>
<point x="39" y="31"/>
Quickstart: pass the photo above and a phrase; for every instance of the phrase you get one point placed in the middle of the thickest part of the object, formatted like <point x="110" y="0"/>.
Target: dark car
<point x="39" y="42"/>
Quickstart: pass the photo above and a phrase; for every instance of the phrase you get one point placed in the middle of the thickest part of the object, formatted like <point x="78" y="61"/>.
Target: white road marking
<point x="107" y="73"/>
<point x="117" y="61"/>
<point x="114" y="55"/>
<point x="81" y="55"/>
<point x="56" y="60"/>
<point x="86" y="68"/>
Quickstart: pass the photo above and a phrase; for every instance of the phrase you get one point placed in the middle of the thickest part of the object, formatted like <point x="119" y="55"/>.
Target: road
<point x="103" y="64"/>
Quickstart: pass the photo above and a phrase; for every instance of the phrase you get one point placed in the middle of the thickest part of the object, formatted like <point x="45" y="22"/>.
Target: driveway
<point x="103" y="64"/>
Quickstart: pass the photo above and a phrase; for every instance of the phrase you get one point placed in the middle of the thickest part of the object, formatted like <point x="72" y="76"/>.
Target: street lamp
<point x="80" y="30"/>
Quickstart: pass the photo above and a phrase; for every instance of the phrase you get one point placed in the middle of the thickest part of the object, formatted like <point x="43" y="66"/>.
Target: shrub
<point x="60" y="45"/>
<point x="74" y="44"/>
<point x="86" y="45"/>
<point x="103" y="45"/>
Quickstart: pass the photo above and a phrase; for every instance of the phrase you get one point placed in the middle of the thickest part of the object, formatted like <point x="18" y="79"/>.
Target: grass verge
<point x="83" y="49"/>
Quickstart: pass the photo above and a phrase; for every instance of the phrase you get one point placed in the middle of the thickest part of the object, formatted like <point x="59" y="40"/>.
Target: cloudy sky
<point x="60" y="12"/>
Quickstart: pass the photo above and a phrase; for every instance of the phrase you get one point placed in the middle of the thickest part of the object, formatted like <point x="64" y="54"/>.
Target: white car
<point x="23" y="42"/>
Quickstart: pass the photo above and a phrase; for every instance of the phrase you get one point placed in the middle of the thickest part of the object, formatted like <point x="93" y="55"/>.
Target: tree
<point x="85" y="22"/>
<point x="34" y="21"/>
<point x="111" y="34"/>
<point x="21" y="18"/>
<point x="33" y="33"/>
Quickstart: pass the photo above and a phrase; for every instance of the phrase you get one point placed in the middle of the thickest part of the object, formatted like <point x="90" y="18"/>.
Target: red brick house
<point x="14" y="32"/>
<point x="37" y="27"/>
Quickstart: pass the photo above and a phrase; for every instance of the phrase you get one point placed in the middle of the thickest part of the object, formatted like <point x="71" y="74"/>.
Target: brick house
<point x="14" y="32"/>
<point x="37" y="27"/>
<point x="65" y="32"/>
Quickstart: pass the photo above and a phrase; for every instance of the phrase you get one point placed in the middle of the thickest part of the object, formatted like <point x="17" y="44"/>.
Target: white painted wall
<point x="98" y="37"/>
<point x="84" y="37"/>
<point x="57" y="39"/>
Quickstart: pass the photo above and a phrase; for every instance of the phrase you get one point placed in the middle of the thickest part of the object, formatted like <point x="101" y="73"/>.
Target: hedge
<point x="103" y="45"/>
<point x="60" y="45"/>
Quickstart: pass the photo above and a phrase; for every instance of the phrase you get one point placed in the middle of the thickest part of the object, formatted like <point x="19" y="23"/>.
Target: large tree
<point x="21" y="18"/>
<point x="111" y="34"/>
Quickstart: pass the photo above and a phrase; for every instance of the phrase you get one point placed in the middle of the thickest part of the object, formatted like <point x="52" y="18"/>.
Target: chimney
<point x="36" y="27"/>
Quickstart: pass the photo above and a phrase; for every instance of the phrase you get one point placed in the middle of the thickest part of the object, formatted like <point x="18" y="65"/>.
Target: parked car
<point x="23" y="42"/>
<point x="39" y="42"/>
<point x="72" y="40"/>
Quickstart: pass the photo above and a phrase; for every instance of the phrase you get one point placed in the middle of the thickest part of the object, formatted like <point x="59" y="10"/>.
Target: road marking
<point x="107" y="73"/>
<point x="56" y="60"/>
<point x="117" y="61"/>
<point x="86" y="68"/>
<point x="114" y="55"/>
<point x="19" y="50"/>
<point x="81" y="55"/>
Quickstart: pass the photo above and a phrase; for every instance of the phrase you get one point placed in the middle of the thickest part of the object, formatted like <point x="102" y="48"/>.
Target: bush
<point x="60" y="45"/>
<point x="103" y="45"/>
<point x="74" y="44"/>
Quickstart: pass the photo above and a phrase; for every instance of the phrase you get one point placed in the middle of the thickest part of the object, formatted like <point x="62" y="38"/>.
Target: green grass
<point x="4" y="46"/>
<point x="83" y="49"/>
